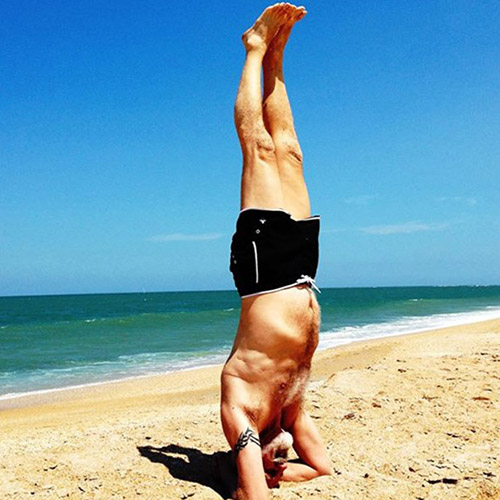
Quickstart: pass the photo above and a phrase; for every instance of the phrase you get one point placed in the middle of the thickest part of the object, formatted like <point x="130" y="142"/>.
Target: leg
<point x="260" y="183"/>
<point x="279" y="121"/>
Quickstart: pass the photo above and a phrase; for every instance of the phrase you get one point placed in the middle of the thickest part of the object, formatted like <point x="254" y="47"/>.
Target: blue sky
<point x="120" y="166"/>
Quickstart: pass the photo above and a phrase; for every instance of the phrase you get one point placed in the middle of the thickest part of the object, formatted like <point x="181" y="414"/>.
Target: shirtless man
<point x="274" y="255"/>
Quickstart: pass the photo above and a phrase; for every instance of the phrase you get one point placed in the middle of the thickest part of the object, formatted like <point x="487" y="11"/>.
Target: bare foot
<point x="267" y="25"/>
<point x="277" y="44"/>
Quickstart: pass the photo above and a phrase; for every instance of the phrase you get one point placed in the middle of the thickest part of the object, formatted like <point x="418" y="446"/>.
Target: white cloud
<point x="404" y="228"/>
<point x="186" y="237"/>
<point x="471" y="201"/>
<point x="362" y="199"/>
<point x="335" y="230"/>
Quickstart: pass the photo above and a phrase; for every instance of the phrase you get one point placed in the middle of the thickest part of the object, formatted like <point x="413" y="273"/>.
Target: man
<point x="274" y="255"/>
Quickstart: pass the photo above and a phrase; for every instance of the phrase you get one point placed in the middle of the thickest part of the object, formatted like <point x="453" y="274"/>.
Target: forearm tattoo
<point x="246" y="437"/>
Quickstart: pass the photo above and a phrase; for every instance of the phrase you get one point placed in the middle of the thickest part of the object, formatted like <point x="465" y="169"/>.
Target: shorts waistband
<point x="267" y="210"/>
<point x="304" y="280"/>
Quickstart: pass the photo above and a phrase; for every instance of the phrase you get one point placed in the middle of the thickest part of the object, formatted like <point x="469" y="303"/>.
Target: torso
<point x="271" y="357"/>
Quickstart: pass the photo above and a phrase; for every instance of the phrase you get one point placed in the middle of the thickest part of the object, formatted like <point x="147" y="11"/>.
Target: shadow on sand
<point x="188" y="464"/>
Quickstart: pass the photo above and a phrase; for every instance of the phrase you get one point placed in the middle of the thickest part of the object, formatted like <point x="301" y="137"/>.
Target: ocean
<point x="52" y="342"/>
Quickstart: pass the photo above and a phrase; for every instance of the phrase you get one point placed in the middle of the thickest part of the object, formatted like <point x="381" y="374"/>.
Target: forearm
<point x="297" y="472"/>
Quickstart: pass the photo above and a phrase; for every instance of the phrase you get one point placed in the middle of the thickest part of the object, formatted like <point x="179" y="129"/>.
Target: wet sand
<point x="409" y="417"/>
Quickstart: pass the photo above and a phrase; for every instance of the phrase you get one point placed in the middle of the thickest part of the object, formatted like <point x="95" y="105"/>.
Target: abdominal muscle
<point x="271" y="357"/>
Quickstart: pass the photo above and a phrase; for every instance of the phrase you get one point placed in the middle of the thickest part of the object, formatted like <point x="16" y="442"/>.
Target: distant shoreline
<point x="140" y="292"/>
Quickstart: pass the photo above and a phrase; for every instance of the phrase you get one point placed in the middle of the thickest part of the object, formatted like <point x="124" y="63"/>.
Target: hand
<point x="275" y="474"/>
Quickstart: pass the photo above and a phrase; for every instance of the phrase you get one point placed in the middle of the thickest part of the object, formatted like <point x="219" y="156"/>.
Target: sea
<point x="48" y="343"/>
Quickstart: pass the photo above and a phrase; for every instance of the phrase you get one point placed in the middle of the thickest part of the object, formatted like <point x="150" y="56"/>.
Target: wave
<point x="406" y="324"/>
<point x="207" y="350"/>
<point x="75" y="376"/>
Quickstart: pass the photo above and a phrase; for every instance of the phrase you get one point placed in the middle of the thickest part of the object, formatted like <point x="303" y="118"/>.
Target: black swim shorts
<point x="271" y="251"/>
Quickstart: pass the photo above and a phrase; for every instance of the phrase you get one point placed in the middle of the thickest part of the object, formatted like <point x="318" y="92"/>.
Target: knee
<point x="257" y="144"/>
<point x="254" y="138"/>
<point x="264" y="145"/>
<point x="288" y="147"/>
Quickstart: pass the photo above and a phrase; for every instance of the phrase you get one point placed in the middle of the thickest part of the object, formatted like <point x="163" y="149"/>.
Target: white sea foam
<point x="128" y="367"/>
<point x="120" y="376"/>
<point x="407" y="324"/>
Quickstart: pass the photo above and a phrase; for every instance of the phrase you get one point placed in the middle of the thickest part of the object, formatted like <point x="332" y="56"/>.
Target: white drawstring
<point x="310" y="281"/>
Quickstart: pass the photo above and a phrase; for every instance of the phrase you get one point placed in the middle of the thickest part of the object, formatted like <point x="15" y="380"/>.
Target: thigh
<point x="293" y="185"/>
<point x="260" y="181"/>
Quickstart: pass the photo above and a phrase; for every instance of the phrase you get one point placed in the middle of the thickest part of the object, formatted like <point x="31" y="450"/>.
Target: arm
<point x="309" y="446"/>
<point x="251" y="478"/>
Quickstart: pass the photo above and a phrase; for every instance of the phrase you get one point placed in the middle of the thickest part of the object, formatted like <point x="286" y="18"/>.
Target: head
<point x="275" y="453"/>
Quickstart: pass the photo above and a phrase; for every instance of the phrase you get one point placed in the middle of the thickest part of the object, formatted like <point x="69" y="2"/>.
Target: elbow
<point x="324" y="470"/>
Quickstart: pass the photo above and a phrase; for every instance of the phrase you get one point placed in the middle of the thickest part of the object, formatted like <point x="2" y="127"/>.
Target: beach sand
<point x="408" y="417"/>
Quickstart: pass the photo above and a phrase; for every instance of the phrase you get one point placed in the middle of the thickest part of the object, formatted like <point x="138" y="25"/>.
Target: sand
<point x="408" y="417"/>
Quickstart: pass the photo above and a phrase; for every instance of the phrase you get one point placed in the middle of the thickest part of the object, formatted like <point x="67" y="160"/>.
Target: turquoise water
<point x="50" y="342"/>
